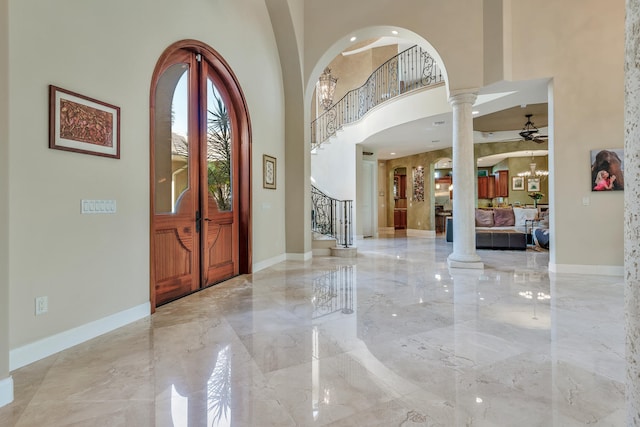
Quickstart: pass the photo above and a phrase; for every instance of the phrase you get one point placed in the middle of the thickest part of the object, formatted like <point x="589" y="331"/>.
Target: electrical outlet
<point x="42" y="305"/>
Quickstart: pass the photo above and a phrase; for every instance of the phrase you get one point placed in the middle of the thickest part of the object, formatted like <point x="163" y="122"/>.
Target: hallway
<point x="386" y="339"/>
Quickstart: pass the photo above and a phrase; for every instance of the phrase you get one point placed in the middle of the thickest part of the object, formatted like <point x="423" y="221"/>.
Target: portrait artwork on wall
<point x="418" y="184"/>
<point x="607" y="169"/>
<point x="517" y="183"/>
<point x="82" y="124"/>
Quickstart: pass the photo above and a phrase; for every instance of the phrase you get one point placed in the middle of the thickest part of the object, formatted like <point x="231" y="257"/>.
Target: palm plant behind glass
<point x="219" y="153"/>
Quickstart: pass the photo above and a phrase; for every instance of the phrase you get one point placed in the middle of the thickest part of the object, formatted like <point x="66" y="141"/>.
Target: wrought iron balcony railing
<point x="332" y="217"/>
<point x="411" y="69"/>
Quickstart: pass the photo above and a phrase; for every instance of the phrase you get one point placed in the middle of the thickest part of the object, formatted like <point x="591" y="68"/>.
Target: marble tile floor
<point x="390" y="338"/>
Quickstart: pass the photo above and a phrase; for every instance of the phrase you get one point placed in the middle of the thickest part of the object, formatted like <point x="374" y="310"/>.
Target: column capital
<point x="463" y="97"/>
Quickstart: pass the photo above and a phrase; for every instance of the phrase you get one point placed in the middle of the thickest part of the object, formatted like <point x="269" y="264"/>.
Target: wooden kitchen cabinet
<point x="486" y="187"/>
<point x="502" y="183"/>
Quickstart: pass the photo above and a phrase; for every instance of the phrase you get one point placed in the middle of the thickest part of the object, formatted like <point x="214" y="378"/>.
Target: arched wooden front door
<point x="200" y="167"/>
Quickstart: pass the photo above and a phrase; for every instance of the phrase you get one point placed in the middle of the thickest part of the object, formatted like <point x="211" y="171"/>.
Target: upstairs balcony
<point x="408" y="71"/>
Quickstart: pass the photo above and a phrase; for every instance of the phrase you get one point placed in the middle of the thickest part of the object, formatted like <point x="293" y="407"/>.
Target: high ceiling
<point x="512" y="118"/>
<point x="500" y="109"/>
<point x="499" y="115"/>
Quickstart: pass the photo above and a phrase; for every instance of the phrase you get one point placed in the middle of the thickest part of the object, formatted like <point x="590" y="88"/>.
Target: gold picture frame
<point x="269" y="172"/>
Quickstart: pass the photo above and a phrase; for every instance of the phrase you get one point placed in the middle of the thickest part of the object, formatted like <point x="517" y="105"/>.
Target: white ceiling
<point x="435" y="132"/>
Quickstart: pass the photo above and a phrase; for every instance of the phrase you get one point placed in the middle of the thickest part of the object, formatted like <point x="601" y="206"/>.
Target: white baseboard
<point x="45" y="347"/>
<point x="6" y="391"/>
<point x="280" y="258"/>
<point x="300" y="257"/>
<point x="411" y="232"/>
<point x="268" y="263"/>
<point x="594" y="270"/>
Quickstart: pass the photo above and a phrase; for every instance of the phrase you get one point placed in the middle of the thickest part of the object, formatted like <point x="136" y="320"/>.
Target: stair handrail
<point x="409" y="70"/>
<point x="332" y="217"/>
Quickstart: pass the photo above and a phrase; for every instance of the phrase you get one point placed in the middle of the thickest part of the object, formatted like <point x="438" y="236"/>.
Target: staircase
<point x="331" y="225"/>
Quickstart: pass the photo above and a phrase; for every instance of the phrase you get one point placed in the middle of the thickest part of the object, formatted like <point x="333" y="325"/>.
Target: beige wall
<point x="420" y="215"/>
<point x="453" y="27"/>
<point x="494" y="41"/>
<point x="580" y="44"/>
<point x="92" y="266"/>
<point x="4" y="189"/>
<point x="353" y="70"/>
<point x="521" y="164"/>
<point x="286" y="24"/>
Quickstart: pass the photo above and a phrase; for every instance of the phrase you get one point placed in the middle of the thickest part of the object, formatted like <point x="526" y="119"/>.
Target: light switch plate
<point x="88" y="206"/>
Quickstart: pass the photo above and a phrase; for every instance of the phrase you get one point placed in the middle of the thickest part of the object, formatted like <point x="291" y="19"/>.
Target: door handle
<point x="208" y="220"/>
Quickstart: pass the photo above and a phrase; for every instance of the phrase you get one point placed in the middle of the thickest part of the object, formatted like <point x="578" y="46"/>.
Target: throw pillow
<point x="503" y="217"/>
<point x="523" y="214"/>
<point x="484" y="218"/>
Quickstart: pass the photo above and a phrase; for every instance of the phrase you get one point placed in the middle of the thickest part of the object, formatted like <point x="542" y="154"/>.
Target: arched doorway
<point x="200" y="173"/>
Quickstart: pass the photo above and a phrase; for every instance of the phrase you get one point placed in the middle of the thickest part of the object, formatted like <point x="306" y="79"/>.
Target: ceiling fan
<point x="530" y="133"/>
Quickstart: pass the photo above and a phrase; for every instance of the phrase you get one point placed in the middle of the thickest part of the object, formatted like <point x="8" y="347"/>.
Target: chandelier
<point x="533" y="172"/>
<point x="326" y="88"/>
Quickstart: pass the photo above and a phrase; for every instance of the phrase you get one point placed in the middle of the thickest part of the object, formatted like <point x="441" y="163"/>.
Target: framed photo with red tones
<point x="607" y="169"/>
<point x="83" y="125"/>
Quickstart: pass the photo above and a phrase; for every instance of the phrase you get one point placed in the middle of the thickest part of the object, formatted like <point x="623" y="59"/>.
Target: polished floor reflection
<point x="390" y="338"/>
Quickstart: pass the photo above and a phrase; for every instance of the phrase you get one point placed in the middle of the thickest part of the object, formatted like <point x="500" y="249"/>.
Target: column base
<point x="471" y="262"/>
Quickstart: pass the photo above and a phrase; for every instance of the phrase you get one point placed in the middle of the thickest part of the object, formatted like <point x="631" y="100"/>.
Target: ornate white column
<point x="464" y="180"/>
<point x="632" y="209"/>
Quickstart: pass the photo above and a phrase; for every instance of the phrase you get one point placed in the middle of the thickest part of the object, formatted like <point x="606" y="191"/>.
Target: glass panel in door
<point x="219" y="150"/>
<point x="171" y="151"/>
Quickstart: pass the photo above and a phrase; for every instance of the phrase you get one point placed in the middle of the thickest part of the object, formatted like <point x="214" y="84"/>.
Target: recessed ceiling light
<point x="475" y="112"/>
<point x="353" y="38"/>
<point x="393" y="154"/>
<point x="394" y="32"/>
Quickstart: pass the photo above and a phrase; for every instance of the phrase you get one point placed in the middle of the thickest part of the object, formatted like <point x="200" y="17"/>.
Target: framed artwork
<point x="607" y="169"/>
<point x="82" y="124"/>
<point x="517" y="183"/>
<point x="418" y="184"/>
<point x="533" y="184"/>
<point x="268" y="172"/>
